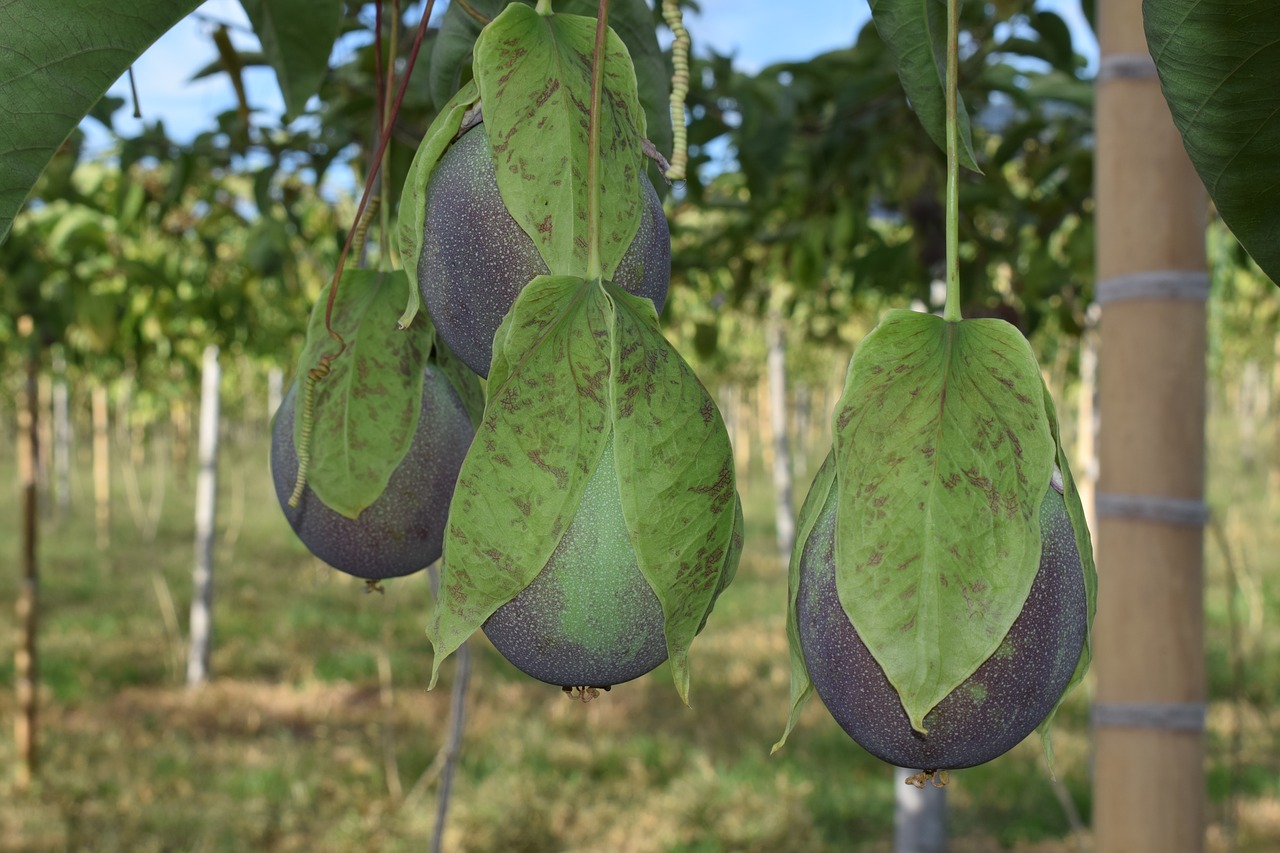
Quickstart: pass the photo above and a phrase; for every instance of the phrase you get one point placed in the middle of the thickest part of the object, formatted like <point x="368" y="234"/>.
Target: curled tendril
<point x="679" y="89"/>
<point x="314" y="375"/>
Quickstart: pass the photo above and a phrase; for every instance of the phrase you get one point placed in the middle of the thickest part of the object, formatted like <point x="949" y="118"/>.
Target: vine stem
<point x="372" y="176"/>
<point x="594" y="267"/>
<point x="951" y="310"/>
<point x="359" y="227"/>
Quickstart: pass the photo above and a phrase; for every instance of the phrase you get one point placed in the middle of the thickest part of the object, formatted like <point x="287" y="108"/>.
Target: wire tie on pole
<point x="1126" y="66"/>
<point x="1155" y="284"/>
<point x="1179" y="511"/>
<point x="1170" y="716"/>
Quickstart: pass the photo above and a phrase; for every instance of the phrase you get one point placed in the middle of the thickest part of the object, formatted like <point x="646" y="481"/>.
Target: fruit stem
<point x="951" y="310"/>
<point x="594" y="267"/>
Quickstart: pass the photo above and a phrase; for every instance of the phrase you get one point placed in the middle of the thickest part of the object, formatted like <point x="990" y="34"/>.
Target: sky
<point x="756" y="32"/>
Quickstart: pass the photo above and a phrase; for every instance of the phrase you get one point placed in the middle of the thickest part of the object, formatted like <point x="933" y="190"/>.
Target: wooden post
<point x="919" y="816"/>
<point x="784" y="515"/>
<point x="275" y="392"/>
<point x="1149" y="710"/>
<point x="1086" y="457"/>
<point x="201" y="629"/>
<point x="25" y="671"/>
<point x="101" y="467"/>
<point x="61" y="437"/>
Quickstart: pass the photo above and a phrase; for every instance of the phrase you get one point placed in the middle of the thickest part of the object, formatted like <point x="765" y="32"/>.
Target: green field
<point x="317" y="733"/>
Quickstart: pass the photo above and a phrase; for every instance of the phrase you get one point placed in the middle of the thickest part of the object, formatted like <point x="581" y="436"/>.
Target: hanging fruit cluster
<point x="593" y="520"/>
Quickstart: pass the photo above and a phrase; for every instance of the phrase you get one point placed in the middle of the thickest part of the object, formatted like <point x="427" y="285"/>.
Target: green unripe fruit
<point x="403" y="530"/>
<point x="589" y="618"/>
<point x="476" y="258"/>
<point x="992" y="710"/>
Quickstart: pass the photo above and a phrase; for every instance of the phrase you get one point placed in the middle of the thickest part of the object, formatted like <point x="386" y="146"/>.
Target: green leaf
<point x="534" y="73"/>
<point x="631" y="19"/>
<point x="675" y="472"/>
<point x="801" y="685"/>
<point x="915" y="32"/>
<point x="1084" y="546"/>
<point x="943" y="455"/>
<point x="413" y="194"/>
<point x="542" y="436"/>
<point x="297" y="37"/>
<point x="365" y="410"/>
<point x="58" y="58"/>
<point x="1219" y="63"/>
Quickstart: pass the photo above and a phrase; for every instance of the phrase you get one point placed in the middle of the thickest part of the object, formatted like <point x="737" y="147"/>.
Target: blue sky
<point x="756" y="32"/>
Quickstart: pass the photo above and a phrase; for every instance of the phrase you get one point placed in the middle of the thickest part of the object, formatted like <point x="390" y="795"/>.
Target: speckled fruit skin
<point x="589" y="619"/>
<point x="403" y="530"/>
<point x="475" y="258"/>
<point x="991" y="711"/>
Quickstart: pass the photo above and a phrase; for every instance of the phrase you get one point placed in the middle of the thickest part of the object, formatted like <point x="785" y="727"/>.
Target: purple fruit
<point x="988" y="713"/>
<point x="403" y="530"/>
<point x="476" y="258"/>
<point x="589" y="618"/>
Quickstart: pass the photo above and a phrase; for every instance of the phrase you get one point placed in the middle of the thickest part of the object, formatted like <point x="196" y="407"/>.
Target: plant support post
<point x="25" y="672"/>
<point x="1149" y="709"/>
<point x="206" y="502"/>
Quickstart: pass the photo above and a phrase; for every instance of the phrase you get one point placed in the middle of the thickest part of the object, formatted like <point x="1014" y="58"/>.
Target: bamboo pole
<point x="25" y="670"/>
<point x="1149" y="709"/>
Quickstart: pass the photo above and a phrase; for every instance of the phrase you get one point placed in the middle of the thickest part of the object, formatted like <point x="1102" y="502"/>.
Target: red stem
<point x="369" y="178"/>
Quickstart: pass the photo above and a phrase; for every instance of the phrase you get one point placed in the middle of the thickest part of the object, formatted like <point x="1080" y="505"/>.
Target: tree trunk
<point x="101" y="467"/>
<point x="1149" y="709"/>
<point x="25" y="671"/>
<point x="201" y="630"/>
<point x="919" y="816"/>
<point x="784" y="517"/>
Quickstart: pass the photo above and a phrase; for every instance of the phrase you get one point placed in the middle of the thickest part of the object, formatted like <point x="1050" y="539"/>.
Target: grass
<point x="299" y="744"/>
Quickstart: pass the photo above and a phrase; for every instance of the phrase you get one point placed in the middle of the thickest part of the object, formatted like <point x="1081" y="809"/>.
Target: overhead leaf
<point x="943" y="455"/>
<point x="534" y="74"/>
<point x="542" y="436"/>
<point x="450" y="66"/>
<point x="801" y="685"/>
<point x="57" y="59"/>
<point x="1084" y="547"/>
<point x="297" y="37"/>
<point x="915" y="32"/>
<point x="413" y="194"/>
<point x="675" y="471"/>
<point x="365" y="410"/>
<point x="1219" y="61"/>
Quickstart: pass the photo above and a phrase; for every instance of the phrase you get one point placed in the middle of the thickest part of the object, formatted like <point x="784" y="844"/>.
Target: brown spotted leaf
<point x="534" y="76"/>
<point x="544" y="428"/>
<point x="365" y="410"/>
<point x="675" y="471"/>
<point x="943" y="454"/>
